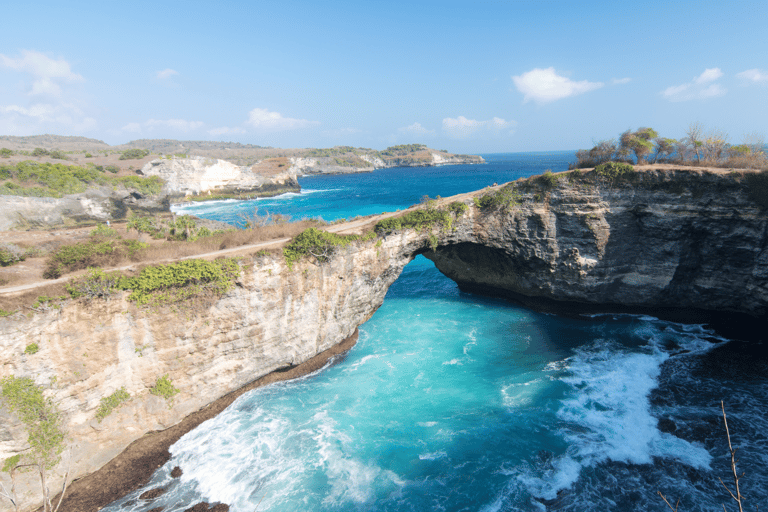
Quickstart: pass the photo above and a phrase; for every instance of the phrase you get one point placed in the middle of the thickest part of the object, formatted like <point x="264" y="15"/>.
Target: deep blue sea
<point x="457" y="402"/>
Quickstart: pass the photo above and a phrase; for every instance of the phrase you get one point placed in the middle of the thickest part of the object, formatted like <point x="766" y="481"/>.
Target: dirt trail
<point x="352" y="227"/>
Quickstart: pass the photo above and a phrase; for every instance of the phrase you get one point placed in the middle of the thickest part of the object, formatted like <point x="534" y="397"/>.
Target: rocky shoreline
<point x="133" y="468"/>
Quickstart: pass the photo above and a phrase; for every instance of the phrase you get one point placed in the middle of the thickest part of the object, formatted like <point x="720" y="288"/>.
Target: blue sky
<point x="471" y="77"/>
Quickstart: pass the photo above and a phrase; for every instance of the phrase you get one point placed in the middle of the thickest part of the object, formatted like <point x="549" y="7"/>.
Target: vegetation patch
<point x="31" y="349"/>
<point x="504" y="199"/>
<point x="182" y="228"/>
<point x="112" y="402"/>
<point x="98" y="251"/>
<point x="5" y="312"/>
<point x="43" y="179"/>
<point x="617" y="172"/>
<point x="133" y="154"/>
<point x="95" y="284"/>
<point x="164" y="388"/>
<point x="419" y="220"/>
<point x="42" y="422"/>
<point x="175" y="282"/>
<point x="318" y="243"/>
<point x="458" y="208"/>
<point x="11" y="254"/>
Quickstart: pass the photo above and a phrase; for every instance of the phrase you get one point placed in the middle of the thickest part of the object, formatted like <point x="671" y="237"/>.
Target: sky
<point x="468" y="77"/>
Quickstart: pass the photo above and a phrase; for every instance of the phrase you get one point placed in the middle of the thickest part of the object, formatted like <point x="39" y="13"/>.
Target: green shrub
<point x="5" y="312"/>
<point x="32" y="348"/>
<point x="164" y="388"/>
<point x="174" y="282"/>
<point x="131" y="154"/>
<point x="458" y="208"/>
<point x="616" y="172"/>
<point x="421" y="219"/>
<point x="40" y="152"/>
<point x="40" y="417"/>
<point x="44" y="179"/>
<point x="94" y="253"/>
<point x="10" y="255"/>
<point x="111" y="402"/>
<point x="95" y="284"/>
<point x="318" y="243"/>
<point x="104" y="231"/>
<point x="44" y="302"/>
<point x="502" y="199"/>
<point x="6" y="153"/>
<point x="547" y="180"/>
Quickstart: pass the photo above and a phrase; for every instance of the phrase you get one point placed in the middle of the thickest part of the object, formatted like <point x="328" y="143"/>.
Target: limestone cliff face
<point x="668" y="240"/>
<point x="198" y="175"/>
<point x="97" y="204"/>
<point x="274" y="318"/>
<point x="321" y="165"/>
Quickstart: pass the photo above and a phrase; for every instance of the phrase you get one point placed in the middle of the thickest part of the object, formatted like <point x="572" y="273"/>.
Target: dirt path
<point x="352" y="227"/>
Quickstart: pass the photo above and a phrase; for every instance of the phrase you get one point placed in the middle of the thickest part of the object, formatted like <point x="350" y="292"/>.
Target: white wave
<point x="433" y="456"/>
<point x="427" y="423"/>
<point x="608" y="415"/>
<point x="453" y="362"/>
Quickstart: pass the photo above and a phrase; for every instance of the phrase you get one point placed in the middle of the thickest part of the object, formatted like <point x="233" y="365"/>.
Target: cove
<point x="452" y="401"/>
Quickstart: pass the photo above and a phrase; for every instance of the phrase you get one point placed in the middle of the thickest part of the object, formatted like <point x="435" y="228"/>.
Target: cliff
<point x="351" y="160"/>
<point x="663" y="240"/>
<point x="198" y="175"/>
<point x="97" y="204"/>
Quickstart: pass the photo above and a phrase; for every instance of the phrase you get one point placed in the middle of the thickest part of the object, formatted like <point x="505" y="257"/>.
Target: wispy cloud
<point x="151" y="125"/>
<point x="416" y="129"/>
<point x="619" y="81"/>
<point x="225" y="130"/>
<point x="545" y="85"/>
<point x="754" y="75"/>
<point x="166" y="73"/>
<point x="48" y="75"/>
<point x="265" y="120"/>
<point x="41" y="117"/>
<point x="461" y="127"/>
<point x="700" y="88"/>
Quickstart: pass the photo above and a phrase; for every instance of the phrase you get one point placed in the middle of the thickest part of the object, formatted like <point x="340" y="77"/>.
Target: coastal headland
<point x="662" y="239"/>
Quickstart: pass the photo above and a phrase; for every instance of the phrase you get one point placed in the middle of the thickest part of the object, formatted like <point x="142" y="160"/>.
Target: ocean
<point x="458" y="402"/>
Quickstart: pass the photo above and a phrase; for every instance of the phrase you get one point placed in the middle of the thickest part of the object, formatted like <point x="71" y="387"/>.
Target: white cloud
<point x="42" y="117"/>
<point x="618" y="81"/>
<point x="48" y="74"/>
<point x="225" y="130"/>
<point x="697" y="89"/>
<point x="151" y="125"/>
<point x="461" y="127"/>
<point x="175" y="124"/>
<point x="709" y="75"/>
<point x="263" y="119"/>
<point x="545" y="85"/>
<point x="754" y="75"/>
<point x="416" y="129"/>
<point x="166" y="73"/>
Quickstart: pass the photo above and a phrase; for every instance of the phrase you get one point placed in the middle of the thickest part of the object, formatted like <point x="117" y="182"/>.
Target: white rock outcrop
<point x="199" y="175"/>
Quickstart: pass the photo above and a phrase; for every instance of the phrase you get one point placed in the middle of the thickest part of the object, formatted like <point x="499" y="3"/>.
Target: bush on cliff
<point x="318" y="243"/>
<point x="175" y="282"/>
<point x="421" y="219"/>
<point x="45" y="434"/>
<point x="43" y="179"/>
<point x="97" y="252"/>
<point x="614" y="173"/>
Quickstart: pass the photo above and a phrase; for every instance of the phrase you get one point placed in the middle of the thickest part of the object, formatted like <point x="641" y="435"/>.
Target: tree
<point x="640" y="143"/>
<point x="664" y="148"/>
<point x="692" y="142"/>
<point x="45" y="434"/>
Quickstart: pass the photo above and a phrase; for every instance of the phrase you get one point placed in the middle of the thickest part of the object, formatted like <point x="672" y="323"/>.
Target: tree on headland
<point x="640" y="142"/>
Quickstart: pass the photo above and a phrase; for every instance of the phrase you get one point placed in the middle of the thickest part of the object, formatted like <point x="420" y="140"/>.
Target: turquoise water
<point x="455" y="402"/>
